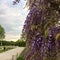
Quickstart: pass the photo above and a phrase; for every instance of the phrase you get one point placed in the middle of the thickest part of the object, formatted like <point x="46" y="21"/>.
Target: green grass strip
<point x="21" y="57"/>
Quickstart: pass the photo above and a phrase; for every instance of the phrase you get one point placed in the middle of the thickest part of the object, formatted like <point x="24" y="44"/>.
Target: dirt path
<point x="11" y="54"/>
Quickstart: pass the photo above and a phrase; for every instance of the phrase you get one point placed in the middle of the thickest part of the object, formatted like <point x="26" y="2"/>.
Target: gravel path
<point x="11" y="54"/>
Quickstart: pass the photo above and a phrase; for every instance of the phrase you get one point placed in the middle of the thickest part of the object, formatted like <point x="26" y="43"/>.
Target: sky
<point x="12" y="18"/>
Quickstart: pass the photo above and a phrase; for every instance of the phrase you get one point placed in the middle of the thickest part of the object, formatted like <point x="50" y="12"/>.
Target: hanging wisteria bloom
<point x="38" y="46"/>
<point x="51" y="47"/>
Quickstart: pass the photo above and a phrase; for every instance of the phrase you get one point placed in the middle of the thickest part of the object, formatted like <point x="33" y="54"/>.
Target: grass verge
<point x="21" y="57"/>
<point x="6" y="49"/>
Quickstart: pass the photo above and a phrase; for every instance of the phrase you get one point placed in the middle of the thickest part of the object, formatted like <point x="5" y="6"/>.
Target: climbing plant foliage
<point x="42" y="30"/>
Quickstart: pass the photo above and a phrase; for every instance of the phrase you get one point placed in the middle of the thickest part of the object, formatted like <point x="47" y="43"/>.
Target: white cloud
<point x="12" y="18"/>
<point x="12" y="37"/>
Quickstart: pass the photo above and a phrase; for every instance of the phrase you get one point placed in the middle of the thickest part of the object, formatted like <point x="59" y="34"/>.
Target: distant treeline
<point x="9" y="43"/>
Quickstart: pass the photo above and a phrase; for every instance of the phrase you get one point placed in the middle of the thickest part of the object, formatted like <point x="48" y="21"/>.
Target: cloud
<point x="12" y="37"/>
<point x="12" y="18"/>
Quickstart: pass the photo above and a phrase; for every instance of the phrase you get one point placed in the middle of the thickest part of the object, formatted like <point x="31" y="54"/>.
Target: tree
<point x="2" y="33"/>
<point x="40" y="29"/>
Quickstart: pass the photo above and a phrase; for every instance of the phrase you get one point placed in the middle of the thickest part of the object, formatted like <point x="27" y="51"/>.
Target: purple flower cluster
<point x="39" y="19"/>
<point x="51" y="47"/>
<point x="38" y="45"/>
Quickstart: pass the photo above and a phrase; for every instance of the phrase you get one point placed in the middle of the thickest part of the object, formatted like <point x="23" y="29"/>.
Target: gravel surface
<point x="11" y="54"/>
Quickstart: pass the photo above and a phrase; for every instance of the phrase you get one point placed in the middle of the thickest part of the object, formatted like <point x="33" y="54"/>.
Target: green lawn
<point x="21" y="57"/>
<point x="5" y="49"/>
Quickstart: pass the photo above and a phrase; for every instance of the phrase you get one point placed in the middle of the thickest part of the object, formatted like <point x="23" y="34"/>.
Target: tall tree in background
<point x="39" y="29"/>
<point x="2" y="33"/>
